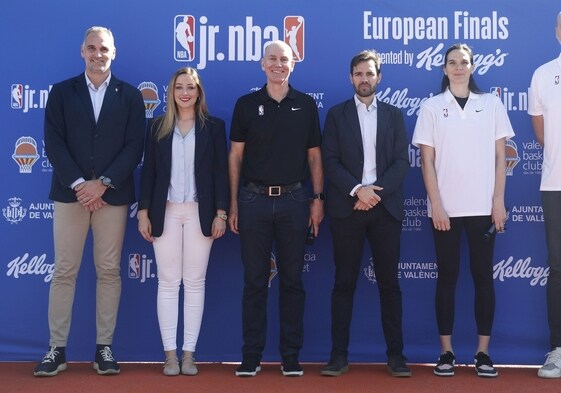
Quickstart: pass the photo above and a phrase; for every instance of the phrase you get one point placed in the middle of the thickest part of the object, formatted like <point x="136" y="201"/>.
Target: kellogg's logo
<point x="21" y="266"/>
<point x="195" y="38"/>
<point x="521" y="269"/>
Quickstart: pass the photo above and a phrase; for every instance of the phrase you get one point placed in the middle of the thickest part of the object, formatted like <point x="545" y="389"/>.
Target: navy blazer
<point x="343" y="157"/>
<point x="211" y="173"/>
<point x="77" y="146"/>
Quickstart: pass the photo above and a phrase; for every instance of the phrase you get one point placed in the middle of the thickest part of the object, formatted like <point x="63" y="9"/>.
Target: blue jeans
<point x="262" y="220"/>
<point x="551" y="203"/>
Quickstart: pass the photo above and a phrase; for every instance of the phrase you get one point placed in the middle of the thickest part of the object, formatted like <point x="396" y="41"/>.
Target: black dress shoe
<point x="335" y="367"/>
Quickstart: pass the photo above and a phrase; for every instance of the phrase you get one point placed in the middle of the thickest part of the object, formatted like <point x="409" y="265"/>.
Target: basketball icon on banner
<point x="149" y="92"/>
<point x="184" y="45"/>
<point x="512" y="157"/>
<point x="294" y="35"/>
<point x="25" y="153"/>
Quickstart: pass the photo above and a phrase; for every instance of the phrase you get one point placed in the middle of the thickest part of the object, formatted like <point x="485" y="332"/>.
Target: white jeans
<point x="182" y="253"/>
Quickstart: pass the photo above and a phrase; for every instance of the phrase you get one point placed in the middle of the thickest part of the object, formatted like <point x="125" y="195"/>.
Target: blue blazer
<point x="77" y="146"/>
<point x="211" y="173"/>
<point x="343" y="157"/>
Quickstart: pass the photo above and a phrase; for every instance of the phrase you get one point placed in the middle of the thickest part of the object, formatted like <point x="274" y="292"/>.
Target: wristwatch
<point x="223" y="216"/>
<point x="106" y="182"/>
<point x="319" y="196"/>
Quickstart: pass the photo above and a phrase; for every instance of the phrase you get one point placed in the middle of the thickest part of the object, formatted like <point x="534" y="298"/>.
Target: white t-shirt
<point x="545" y="99"/>
<point x="464" y="143"/>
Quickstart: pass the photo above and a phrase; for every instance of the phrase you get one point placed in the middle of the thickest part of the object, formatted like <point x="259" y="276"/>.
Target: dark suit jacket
<point x="343" y="157"/>
<point x="211" y="174"/>
<point x="77" y="146"/>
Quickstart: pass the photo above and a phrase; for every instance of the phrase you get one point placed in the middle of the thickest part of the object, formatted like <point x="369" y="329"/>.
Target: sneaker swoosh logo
<point x="295" y="109"/>
<point x="478" y="110"/>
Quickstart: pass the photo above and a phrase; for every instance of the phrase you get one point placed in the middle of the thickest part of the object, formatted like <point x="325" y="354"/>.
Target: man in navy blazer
<point x="94" y="135"/>
<point x="365" y="161"/>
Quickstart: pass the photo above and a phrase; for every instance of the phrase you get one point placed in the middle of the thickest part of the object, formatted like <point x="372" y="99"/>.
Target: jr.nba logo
<point x="184" y="45"/>
<point x="496" y="91"/>
<point x="294" y="35"/>
<point x="134" y="265"/>
<point x="17" y="96"/>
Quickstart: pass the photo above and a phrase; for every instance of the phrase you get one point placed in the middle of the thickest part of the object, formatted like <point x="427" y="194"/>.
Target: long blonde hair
<point x="167" y="122"/>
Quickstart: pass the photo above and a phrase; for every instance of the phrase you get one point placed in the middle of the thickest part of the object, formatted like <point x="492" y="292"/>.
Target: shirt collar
<point x="373" y="105"/>
<point x="105" y="83"/>
<point x="449" y="97"/>
<point x="264" y="96"/>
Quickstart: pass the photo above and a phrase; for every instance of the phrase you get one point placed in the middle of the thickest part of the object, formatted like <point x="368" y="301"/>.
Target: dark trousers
<point x="262" y="221"/>
<point x="551" y="203"/>
<point x="383" y="233"/>
<point x="447" y="244"/>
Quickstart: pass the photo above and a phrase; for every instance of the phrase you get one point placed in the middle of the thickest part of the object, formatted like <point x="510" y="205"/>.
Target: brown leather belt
<point x="273" y="191"/>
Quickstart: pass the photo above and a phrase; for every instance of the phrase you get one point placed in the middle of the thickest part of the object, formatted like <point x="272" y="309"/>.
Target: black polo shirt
<point x="277" y="136"/>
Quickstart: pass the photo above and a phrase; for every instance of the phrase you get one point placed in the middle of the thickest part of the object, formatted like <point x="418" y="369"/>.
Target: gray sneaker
<point x="552" y="366"/>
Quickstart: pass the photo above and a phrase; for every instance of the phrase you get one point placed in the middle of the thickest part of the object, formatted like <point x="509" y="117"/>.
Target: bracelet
<point x="222" y="216"/>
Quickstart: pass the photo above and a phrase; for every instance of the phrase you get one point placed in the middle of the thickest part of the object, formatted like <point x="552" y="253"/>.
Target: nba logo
<point x="496" y="91"/>
<point x="294" y="35"/>
<point x="17" y="96"/>
<point x="134" y="265"/>
<point x="184" y="45"/>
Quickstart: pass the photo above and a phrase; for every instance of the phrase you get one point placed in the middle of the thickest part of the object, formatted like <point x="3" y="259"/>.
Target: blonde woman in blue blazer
<point x="182" y="208"/>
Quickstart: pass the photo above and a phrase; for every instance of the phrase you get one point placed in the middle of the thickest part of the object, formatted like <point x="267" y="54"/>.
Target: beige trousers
<point x="70" y="228"/>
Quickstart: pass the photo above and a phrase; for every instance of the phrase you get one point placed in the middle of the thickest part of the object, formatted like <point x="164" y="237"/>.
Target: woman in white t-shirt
<point x="461" y="133"/>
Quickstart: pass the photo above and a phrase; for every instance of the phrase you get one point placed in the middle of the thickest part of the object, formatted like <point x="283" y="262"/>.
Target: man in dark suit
<point x="365" y="161"/>
<point x="94" y="135"/>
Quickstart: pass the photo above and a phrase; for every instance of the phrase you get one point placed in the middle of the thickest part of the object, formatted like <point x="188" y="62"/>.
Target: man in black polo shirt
<point x="275" y="149"/>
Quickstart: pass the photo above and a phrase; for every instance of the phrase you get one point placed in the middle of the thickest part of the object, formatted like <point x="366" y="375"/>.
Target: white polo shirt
<point x="545" y="99"/>
<point x="464" y="143"/>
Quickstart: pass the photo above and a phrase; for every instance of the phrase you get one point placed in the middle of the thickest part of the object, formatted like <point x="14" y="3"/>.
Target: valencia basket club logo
<point x="25" y="153"/>
<point x="149" y="92"/>
<point x="512" y="157"/>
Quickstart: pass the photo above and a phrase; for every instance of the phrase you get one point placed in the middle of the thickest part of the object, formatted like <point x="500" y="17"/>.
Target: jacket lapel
<point x="84" y="94"/>
<point x="351" y="115"/>
<point x="201" y="141"/>
<point x="113" y="90"/>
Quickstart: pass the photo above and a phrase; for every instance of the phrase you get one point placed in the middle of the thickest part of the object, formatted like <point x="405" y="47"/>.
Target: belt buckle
<point x="274" y="191"/>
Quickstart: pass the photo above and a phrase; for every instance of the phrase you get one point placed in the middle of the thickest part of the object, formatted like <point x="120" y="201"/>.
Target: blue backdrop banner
<point x="42" y="47"/>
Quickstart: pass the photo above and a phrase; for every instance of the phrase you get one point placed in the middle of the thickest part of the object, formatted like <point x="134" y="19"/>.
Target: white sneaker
<point x="552" y="366"/>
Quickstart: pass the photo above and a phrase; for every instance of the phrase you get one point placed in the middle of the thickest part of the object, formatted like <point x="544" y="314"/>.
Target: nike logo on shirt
<point x="295" y="109"/>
